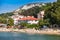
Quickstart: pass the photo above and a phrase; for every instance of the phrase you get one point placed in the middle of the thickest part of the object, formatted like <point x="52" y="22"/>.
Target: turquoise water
<point x="25" y="36"/>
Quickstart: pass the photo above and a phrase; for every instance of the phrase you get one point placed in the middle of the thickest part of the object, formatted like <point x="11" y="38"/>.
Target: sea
<point x="25" y="36"/>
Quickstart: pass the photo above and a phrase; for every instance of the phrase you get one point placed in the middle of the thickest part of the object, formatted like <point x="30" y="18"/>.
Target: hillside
<point x="29" y="9"/>
<point x="28" y="6"/>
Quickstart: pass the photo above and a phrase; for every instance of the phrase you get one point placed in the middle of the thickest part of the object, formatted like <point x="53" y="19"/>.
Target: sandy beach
<point x="32" y="31"/>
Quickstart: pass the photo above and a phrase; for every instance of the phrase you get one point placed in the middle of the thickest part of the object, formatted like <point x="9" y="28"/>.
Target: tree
<point x="53" y="13"/>
<point x="32" y="26"/>
<point x="23" y="23"/>
<point x="43" y="22"/>
<point x="6" y="15"/>
<point x="3" y="20"/>
<point x="10" y="22"/>
<point x="58" y="0"/>
<point x="31" y="12"/>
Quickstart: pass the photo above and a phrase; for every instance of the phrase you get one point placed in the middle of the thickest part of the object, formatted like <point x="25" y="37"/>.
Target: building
<point x="29" y="19"/>
<point x="40" y="15"/>
<point x="20" y="18"/>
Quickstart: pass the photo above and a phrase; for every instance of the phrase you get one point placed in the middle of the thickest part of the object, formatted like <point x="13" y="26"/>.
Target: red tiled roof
<point x="22" y="19"/>
<point x="28" y="18"/>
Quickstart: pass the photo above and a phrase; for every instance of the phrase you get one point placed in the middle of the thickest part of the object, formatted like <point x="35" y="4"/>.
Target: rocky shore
<point x="32" y="31"/>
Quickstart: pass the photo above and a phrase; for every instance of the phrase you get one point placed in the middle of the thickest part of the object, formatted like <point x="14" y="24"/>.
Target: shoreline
<point x="32" y="31"/>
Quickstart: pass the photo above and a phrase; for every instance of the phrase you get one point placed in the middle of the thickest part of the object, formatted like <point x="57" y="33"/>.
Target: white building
<point x="20" y="18"/>
<point x="40" y="15"/>
<point x="16" y="18"/>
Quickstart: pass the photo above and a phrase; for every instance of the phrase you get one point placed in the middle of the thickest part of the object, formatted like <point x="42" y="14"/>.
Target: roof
<point x="28" y="18"/>
<point x="22" y="19"/>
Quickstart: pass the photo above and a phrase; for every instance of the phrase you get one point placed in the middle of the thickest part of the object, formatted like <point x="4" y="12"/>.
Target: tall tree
<point x="53" y="13"/>
<point x="10" y="22"/>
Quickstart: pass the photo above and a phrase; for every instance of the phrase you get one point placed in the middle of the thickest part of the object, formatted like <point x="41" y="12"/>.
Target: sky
<point x="11" y="5"/>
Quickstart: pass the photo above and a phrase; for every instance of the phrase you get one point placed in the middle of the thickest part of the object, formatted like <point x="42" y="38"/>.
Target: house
<point x="16" y="18"/>
<point x="29" y="19"/>
<point x="40" y="15"/>
<point x="20" y="18"/>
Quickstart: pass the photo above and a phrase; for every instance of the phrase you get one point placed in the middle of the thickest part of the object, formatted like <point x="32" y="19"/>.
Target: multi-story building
<point x="20" y="18"/>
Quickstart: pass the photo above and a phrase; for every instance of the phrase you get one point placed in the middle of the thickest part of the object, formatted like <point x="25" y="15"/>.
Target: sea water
<point x="25" y="36"/>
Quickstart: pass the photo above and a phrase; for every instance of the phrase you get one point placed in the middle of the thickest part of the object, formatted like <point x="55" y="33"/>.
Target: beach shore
<point x="31" y="31"/>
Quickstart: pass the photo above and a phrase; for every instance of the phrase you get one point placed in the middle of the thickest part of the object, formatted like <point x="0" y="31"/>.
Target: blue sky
<point x="10" y="5"/>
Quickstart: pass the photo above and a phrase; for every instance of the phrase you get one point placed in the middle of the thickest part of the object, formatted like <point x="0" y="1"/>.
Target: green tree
<point x="53" y="12"/>
<point x="6" y="15"/>
<point x="31" y="12"/>
<point x="43" y="22"/>
<point x="23" y="23"/>
<point x="10" y="22"/>
<point x="3" y="20"/>
<point x="32" y="26"/>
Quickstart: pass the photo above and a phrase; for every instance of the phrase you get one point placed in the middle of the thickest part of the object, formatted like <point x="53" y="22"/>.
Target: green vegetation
<point x="10" y="22"/>
<point x="32" y="26"/>
<point x="43" y="22"/>
<point x="52" y="12"/>
<point x="6" y="15"/>
<point x="26" y="25"/>
<point x="31" y="12"/>
<point x="3" y="20"/>
<point x="23" y="23"/>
